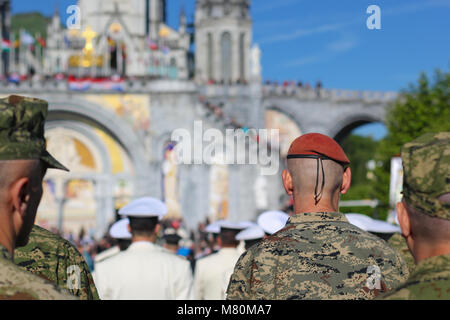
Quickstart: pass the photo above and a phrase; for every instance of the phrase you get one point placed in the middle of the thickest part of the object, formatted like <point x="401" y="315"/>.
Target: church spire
<point x="182" y="26"/>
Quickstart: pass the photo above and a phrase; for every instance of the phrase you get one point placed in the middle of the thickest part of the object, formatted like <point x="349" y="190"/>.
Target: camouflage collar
<point x="4" y="254"/>
<point x="317" y="217"/>
<point x="430" y="265"/>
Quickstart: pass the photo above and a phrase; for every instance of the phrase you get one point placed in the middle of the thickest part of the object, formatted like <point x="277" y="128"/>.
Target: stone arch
<point x="344" y="127"/>
<point x="96" y="116"/>
<point x="86" y="131"/>
<point x="291" y="115"/>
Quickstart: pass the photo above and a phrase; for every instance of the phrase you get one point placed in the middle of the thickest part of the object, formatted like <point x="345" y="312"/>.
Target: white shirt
<point x="108" y="253"/>
<point x="144" y="271"/>
<point x="213" y="272"/>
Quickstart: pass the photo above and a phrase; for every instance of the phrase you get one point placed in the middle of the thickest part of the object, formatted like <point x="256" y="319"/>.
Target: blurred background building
<point x="123" y="81"/>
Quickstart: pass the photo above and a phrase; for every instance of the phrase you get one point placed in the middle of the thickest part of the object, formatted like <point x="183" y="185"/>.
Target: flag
<point x="6" y="45"/>
<point x="41" y="41"/>
<point x="14" y="78"/>
<point x="26" y="38"/>
<point x="152" y="45"/>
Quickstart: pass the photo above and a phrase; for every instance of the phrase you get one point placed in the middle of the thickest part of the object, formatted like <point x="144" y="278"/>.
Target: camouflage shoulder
<point x="394" y="268"/>
<point x="76" y="263"/>
<point x="420" y="290"/>
<point x="18" y="284"/>
<point x="399" y="244"/>
<point x="57" y="260"/>
<point x="239" y="286"/>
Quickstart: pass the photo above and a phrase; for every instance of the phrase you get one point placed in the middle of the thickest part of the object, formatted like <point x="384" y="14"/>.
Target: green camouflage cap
<point x="426" y="167"/>
<point x="22" y="122"/>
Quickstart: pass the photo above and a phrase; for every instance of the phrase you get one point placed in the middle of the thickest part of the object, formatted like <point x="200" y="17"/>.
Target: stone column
<point x="217" y="57"/>
<point x="105" y="204"/>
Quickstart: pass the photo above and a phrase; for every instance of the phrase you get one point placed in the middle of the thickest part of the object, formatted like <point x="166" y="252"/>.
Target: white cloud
<point x="302" y="32"/>
<point x="330" y="51"/>
<point x="342" y="45"/>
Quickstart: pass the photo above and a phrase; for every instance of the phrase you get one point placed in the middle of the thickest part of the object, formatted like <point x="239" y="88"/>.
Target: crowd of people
<point x="315" y="252"/>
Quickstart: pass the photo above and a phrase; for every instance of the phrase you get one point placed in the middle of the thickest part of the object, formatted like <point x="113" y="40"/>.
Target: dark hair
<point x="172" y="239"/>
<point x="428" y="227"/>
<point x="123" y="244"/>
<point x="228" y="236"/>
<point x="143" y="226"/>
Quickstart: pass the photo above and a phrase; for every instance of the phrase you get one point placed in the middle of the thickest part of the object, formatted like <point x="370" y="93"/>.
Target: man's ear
<point x="20" y="195"/>
<point x="287" y="182"/>
<point x="346" y="180"/>
<point x="403" y="219"/>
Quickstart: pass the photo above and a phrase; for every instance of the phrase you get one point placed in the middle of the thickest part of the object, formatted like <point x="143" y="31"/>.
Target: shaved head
<point x="307" y="180"/>
<point x="11" y="170"/>
<point x="427" y="228"/>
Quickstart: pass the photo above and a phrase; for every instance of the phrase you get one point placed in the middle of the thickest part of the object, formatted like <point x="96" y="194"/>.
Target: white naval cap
<point x="119" y="230"/>
<point x="369" y="224"/>
<point x="145" y="207"/>
<point x="360" y="220"/>
<point x="380" y="226"/>
<point x="251" y="233"/>
<point x="228" y="224"/>
<point x="272" y="221"/>
<point x="213" y="227"/>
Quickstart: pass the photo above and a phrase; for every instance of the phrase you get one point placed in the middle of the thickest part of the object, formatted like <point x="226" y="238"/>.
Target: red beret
<point x="319" y="145"/>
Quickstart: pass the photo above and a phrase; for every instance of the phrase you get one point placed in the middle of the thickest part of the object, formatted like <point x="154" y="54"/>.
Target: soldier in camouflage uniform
<point x="318" y="254"/>
<point x="57" y="260"/>
<point x="23" y="163"/>
<point x="424" y="217"/>
<point x="398" y="243"/>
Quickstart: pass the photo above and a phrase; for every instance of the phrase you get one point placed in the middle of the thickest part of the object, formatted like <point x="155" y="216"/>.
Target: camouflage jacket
<point x="17" y="284"/>
<point x="317" y="256"/>
<point x="398" y="243"/>
<point x="430" y="280"/>
<point x="57" y="260"/>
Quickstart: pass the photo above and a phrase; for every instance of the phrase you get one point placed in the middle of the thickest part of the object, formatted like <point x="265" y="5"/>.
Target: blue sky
<point x="328" y="40"/>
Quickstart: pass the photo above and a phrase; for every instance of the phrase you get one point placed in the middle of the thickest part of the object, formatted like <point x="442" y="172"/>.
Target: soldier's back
<point x="429" y="281"/>
<point x="144" y="271"/>
<point x="213" y="273"/>
<point x="17" y="284"/>
<point x="317" y="256"/>
<point x="57" y="260"/>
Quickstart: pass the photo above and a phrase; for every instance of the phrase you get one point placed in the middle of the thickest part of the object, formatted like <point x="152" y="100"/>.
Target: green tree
<point x="422" y="107"/>
<point x="33" y="22"/>
<point x="360" y="150"/>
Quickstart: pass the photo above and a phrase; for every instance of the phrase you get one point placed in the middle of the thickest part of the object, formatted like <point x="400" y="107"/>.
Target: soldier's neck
<point x="151" y="238"/>
<point x="307" y="204"/>
<point x="422" y="250"/>
<point x="7" y="241"/>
